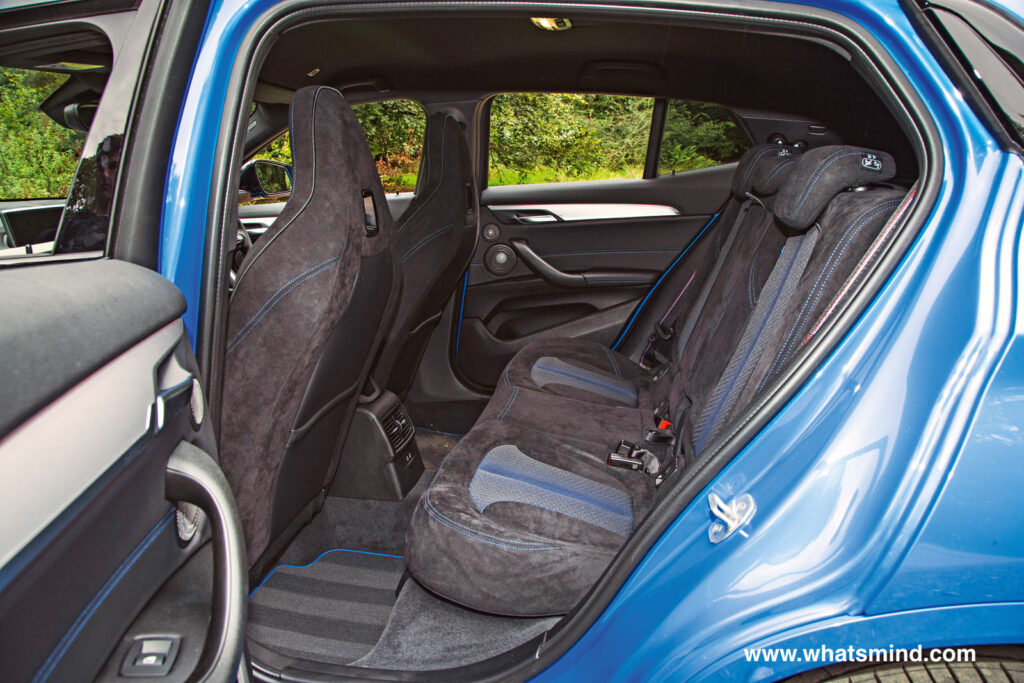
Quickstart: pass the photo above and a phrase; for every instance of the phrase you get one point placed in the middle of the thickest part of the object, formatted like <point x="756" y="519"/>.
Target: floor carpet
<point x="434" y="446"/>
<point x="426" y="632"/>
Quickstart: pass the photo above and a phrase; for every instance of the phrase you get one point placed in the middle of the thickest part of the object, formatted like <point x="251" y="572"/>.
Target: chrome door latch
<point x="730" y="516"/>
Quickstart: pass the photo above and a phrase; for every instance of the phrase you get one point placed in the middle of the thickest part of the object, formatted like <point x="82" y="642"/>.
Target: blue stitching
<point x="508" y="406"/>
<point x="444" y="523"/>
<point x="276" y="298"/>
<point x="69" y="637"/>
<point x="504" y="375"/>
<point x="806" y="192"/>
<point x="753" y="163"/>
<point x="320" y="557"/>
<point x="423" y="242"/>
<point x="746" y="356"/>
<point x="624" y="513"/>
<point x="267" y="302"/>
<point x="611" y="359"/>
<point x="428" y="505"/>
<point x="750" y="283"/>
<point x="592" y="380"/>
<point x="819" y="284"/>
<point x="776" y="171"/>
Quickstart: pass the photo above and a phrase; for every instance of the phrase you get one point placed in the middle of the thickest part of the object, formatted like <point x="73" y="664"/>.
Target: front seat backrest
<point x="307" y="316"/>
<point x="436" y="236"/>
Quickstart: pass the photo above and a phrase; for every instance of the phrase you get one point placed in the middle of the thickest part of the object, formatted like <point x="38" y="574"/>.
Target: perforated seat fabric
<point x="436" y="238"/>
<point x="307" y="315"/>
<point x="502" y="534"/>
<point x="514" y="556"/>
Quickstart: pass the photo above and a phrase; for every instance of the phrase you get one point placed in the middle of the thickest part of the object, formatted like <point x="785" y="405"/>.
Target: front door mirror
<point x="263" y="178"/>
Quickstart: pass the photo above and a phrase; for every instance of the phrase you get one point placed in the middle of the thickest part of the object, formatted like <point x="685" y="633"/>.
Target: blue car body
<point x="888" y="489"/>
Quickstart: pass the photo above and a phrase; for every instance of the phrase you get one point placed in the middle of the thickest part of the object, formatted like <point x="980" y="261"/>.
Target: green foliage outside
<point x="394" y="130"/>
<point x="543" y="137"/>
<point x="698" y="135"/>
<point x="547" y="138"/>
<point x="37" y="155"/>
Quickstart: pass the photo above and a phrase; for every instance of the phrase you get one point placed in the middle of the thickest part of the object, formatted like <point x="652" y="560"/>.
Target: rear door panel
<point x="501" y="313"/>
<point x="98" y="395"/>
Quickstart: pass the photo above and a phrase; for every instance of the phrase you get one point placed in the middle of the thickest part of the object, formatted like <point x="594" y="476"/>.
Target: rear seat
<point x="525" y="513"/>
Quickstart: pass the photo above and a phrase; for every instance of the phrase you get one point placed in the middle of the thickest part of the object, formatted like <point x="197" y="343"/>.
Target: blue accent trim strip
<point x="319" y="557"/>
<point x="462" y="309"/>
<point x="69" y="637"/>
<point x="640" y="308"/>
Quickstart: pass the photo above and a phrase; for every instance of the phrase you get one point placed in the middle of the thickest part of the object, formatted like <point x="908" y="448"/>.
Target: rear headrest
<point x="821" y="174"/>
<point x="760" y="169"/>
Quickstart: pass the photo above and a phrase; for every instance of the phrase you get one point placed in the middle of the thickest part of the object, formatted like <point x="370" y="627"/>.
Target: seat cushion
<point x="521" y="522"/>
<point x="576" y="418"/>
<point x="579" y="369"/>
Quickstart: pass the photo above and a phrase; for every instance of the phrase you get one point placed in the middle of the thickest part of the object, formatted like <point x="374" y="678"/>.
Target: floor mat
<point x="333" y="609"/>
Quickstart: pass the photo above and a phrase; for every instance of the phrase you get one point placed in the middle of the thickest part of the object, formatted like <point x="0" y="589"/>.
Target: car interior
<point x="447" y="412"/>
<point x="444" y="412"/>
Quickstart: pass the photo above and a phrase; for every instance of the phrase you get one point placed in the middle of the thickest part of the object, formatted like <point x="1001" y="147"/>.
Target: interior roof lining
<point x="416" y="56"/>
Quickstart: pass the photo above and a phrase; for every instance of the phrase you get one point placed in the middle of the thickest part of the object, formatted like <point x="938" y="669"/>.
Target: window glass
<point x="698" y="135"/>
<point x="60" y="144"/>
<point x="558" y="137"/>
<point x="39" y="154"/>
<point x="989" y="47"/>
<point x="394" y="130"/>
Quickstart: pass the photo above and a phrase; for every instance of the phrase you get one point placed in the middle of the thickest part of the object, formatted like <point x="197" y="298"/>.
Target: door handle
<point x="591" y="278"/>
<point x="193" y="477"/>
<point x="543" y="268"/>
<point x="529" y="216"/>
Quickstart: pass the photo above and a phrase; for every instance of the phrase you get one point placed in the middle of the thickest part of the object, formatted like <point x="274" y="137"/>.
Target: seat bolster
<point x="569" y="417"/>
<point x="516" y="558"/>
<point x="585" y="358"/>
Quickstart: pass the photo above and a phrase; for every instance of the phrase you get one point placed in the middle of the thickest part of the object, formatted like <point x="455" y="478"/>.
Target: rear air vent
<point x="397" y="427"/>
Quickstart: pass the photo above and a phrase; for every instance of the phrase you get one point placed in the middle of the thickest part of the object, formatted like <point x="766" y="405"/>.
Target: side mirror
<point x="80" y="116"/>
<point x="263" y="178"/>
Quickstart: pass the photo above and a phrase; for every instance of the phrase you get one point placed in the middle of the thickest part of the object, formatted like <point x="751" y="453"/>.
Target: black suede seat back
<point x="759" y="172"/>
<point x="436" y="236"/>
<point x="304" y="323"/>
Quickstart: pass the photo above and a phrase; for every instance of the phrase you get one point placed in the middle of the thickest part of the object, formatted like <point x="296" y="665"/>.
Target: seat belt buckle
<point x="625" y="461"/>
<point x="626" y="456"/>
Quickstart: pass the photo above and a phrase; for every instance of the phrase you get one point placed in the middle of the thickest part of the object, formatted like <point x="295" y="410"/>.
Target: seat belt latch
<point x="626" y="456"/>
<point x="660" y="332"/>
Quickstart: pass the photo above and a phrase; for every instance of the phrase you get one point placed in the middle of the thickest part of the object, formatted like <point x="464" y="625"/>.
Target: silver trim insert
<point x="52" y="458"/>
<point x="594" y="212"/>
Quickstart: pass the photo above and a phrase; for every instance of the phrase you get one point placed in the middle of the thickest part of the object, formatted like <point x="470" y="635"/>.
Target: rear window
<point x="564" y="137"/>
<point x="550" y="138"/>
<point x="698" y="135"/>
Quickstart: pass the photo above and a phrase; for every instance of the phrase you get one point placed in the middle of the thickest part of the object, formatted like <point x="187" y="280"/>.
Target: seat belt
<point x="653" y="359"/>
